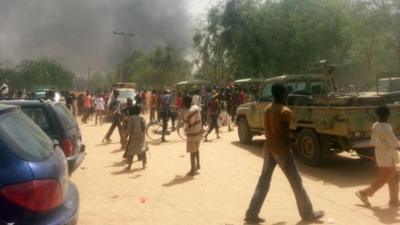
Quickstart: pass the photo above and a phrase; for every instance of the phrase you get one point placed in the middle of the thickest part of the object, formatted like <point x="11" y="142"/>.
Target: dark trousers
<point x="213" y="124"/>
<point x="165" y="118"/>
<point x="116" y="122"/>
<point x="86" y="114"/>
<point x="288" y="166"/>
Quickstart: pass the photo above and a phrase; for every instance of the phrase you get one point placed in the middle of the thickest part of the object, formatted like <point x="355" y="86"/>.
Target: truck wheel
<point x="309" y="147"/>
<point x="244" y="132"/>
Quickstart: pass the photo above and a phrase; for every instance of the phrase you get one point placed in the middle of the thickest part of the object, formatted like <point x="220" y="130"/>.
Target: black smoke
<point x="79" y="33"/>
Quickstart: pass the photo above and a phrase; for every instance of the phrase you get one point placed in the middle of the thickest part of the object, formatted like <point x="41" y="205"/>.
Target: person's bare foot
<point x="144" y="164"/>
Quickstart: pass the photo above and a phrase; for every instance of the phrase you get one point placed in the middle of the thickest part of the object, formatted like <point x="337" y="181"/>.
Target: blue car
<point x="34" y="184"/>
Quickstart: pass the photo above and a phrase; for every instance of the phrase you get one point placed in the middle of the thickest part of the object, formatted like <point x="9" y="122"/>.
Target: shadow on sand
<point x="387" y="215"/>
<point x="126" y="171"/>
<point x="178" y="180"/>
<point x="342" y="171"/>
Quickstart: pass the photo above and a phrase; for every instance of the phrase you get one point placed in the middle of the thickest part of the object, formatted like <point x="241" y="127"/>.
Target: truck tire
<point x="309" y="147"/>
<point x="245" y="135"/>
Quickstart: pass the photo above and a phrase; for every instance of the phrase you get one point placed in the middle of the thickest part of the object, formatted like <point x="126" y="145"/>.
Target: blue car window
<point x="24" y="137"/>
<point x="38" y="115"/>
<point x="66" y="116"/>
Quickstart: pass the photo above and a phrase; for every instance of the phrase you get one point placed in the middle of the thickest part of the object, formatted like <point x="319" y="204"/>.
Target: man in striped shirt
<point x="194" y="130"/>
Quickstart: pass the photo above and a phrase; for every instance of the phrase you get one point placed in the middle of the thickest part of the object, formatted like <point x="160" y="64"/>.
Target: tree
<point x="163" y="67"/>
<point x="44" y="72"/>
<point x="256" y="38"/>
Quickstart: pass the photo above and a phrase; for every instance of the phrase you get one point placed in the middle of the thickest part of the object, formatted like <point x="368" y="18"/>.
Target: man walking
<point x="277" y="151"/>
<point x="165" y="101"/>
<point x="115" y="108"/>
<point x="386" y="146"/>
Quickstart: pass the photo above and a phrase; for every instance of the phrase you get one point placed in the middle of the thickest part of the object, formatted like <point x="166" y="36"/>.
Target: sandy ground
<point x="162" y="194"/>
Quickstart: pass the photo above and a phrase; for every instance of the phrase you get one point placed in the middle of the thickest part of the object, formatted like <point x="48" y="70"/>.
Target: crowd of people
<point x="199" y="111"/>
<point x="214" y="108"/>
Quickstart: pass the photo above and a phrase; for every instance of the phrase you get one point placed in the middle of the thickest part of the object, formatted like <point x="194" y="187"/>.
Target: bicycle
<point x="154" y="128"/>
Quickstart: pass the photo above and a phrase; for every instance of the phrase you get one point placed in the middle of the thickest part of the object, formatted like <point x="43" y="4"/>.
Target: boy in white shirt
<point x="386" y="145"/>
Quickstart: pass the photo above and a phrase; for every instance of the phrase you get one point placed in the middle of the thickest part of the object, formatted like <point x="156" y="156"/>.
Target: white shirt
<point x="192" y="123"/>
<point x="196" y="100"/>
<point x="385" y="142"/>
<point x="99" y="103"/>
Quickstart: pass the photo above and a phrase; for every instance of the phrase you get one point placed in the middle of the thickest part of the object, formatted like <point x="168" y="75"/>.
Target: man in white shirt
<point x="386" y="146"/>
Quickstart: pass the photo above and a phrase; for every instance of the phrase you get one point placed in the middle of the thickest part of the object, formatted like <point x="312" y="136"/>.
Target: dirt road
<point x="163" y="195"/>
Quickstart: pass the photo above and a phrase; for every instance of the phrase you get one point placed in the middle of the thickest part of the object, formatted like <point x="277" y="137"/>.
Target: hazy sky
<point x="79" y="33"/>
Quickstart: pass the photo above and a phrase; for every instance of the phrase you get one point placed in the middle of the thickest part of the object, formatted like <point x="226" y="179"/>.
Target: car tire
<point x="309" y="147"/>
<point x="245" y="135"/>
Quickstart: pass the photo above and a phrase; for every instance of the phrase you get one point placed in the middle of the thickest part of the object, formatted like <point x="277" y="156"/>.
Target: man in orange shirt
<point x="277" y="150"/>
<point x="86" y="105"/>
<point x="153" y="105"/>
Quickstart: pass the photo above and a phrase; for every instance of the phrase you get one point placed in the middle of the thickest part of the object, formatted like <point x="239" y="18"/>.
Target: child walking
<point x="135" y="132"/>
<point x="194" y="130"/>
<point x="386" y="144"/>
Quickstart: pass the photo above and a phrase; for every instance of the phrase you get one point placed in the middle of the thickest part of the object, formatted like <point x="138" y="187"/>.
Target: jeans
<point x="288" y="166"/>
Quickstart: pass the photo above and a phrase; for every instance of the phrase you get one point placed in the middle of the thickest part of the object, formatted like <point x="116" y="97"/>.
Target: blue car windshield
<point x="24" y="137"/>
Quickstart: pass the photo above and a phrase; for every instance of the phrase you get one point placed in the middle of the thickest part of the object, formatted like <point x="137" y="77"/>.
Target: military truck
<point x="324" y="121"/>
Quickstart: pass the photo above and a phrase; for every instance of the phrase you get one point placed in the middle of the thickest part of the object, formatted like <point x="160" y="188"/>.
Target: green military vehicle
<point x="324" y="121"/>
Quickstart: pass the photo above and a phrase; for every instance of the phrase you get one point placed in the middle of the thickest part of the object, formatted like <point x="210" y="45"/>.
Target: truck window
<point x="301" y="85"/>
<point x="317" y="87"/>
<point x="266" y="94"/>
<point x="291" y="86"/>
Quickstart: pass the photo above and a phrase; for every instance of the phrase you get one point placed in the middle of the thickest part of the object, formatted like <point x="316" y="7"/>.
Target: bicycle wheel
<point x="154" y="131"/>
<point x="181" y="132"/>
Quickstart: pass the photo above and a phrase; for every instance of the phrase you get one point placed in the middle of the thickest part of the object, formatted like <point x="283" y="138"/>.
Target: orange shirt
<point x="87" y="102"/>
<point x="153" y="100"/>
<point x="278" y="140"/>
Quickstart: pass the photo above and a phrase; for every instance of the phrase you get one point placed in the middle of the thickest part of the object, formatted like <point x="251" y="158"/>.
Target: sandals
<point x="363" y="198"/>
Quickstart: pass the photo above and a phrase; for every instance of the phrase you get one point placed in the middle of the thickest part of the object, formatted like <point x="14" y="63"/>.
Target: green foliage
<point x="256" y="38"/>
<point x="161" y="68"/>
<point x="34" y="73"/>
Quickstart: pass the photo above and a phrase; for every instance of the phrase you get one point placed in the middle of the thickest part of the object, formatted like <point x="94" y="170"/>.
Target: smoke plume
<point x="79" y="33"/>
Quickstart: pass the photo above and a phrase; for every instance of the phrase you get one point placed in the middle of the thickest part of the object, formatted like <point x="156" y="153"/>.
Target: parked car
<point x="41" y="94"/>
<point x="250" y="86"/>
<point x="59" y="124"/>
<point x="126" y="90"/>
<point x="34" y="185"/>
<point x="189" y="86"/>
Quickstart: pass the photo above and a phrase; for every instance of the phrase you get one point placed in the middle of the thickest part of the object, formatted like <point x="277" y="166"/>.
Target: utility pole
<point x="89" y="78"/>
<point x="124" y="46"/>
